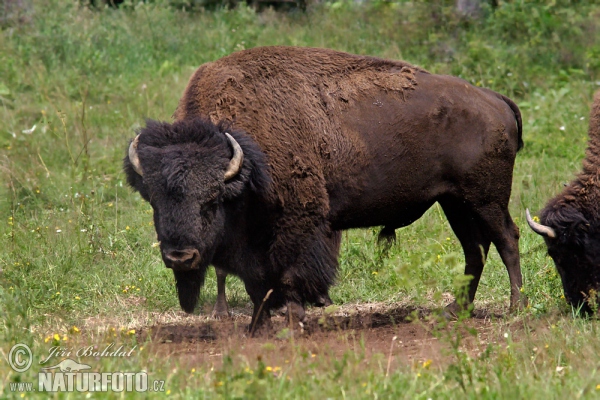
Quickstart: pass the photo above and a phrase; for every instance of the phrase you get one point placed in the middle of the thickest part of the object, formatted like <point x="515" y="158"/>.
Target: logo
<point x="71" y="376"/>
<point x="20" y="357"/>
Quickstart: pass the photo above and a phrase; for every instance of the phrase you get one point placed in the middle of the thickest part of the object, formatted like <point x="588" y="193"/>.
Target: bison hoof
<point x="454" y="310"/>
<point x="220" y="314"/>
<point x="220" y="310"/>
<point x="263" y="329"/>
<point x="518" y="304"/>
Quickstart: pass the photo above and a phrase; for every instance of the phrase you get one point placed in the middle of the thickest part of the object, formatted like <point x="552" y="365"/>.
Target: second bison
<point x="274" y="150"/>
<point x="570" y="225"/>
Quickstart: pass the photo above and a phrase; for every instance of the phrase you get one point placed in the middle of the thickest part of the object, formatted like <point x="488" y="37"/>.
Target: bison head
<point x="193" y="173"/>
<point x="574" y="245"/>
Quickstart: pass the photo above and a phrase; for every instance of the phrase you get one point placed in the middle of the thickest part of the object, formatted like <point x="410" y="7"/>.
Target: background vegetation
<point x="77" y="244"/>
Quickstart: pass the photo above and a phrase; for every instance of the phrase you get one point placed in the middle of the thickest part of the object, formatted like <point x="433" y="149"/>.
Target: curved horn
<point x="133" y="156"/>
<point x="539" y="228"/>
<point x="236" y="161"/>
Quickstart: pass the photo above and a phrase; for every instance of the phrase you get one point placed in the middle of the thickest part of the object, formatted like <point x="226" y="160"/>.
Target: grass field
<point x="78" y="263"/>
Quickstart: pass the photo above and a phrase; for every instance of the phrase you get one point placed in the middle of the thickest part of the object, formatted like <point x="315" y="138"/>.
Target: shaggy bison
<point x="570" y="225"/>
<point x="274" y="150"/>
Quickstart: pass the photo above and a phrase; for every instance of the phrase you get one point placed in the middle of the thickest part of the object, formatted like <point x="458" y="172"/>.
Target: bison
<point x="275" y="150"/>
<point x="570" y="225"/>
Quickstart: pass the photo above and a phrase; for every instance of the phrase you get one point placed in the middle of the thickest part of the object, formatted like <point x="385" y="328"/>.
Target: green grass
<point x="77" y="243"/>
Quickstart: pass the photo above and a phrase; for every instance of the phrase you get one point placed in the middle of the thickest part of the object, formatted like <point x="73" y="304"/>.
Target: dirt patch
<point x="375" y="332"/>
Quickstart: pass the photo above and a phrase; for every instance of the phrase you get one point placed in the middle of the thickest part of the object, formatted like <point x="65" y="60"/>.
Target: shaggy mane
<point x="583" y="193"/>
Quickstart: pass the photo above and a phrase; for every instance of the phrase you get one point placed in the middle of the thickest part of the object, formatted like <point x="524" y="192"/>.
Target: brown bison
<point x="570" y="225"/>
<point x="274" y="150"/>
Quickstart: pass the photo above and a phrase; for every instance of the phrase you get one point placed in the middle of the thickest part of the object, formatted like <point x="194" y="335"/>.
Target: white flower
<point x="29" y="131"/>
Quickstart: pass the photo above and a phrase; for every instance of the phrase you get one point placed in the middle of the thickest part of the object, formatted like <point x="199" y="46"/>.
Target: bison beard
<point x="188" y="285"/>
<point x="331" y="141"/>
<point x="570" y="225"/>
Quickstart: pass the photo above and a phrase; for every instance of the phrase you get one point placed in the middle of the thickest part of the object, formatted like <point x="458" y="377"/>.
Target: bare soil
<point x="404" y="335"/>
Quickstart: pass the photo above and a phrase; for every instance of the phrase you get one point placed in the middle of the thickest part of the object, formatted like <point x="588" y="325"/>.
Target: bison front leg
<point x="220" y="310"/>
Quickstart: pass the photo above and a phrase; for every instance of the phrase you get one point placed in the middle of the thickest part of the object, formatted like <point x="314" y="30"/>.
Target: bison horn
<point x="133" y="156"/>
<point x="540" y="229"/>
<point x="236" y="161"/>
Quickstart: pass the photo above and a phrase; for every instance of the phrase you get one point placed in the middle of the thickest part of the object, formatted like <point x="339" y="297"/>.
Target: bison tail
<point x="517" y="112"/>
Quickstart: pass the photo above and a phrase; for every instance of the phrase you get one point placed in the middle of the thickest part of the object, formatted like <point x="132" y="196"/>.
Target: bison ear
<point x="571" y="225"/>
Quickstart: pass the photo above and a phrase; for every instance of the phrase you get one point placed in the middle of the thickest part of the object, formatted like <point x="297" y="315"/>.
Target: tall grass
<point x="77" y="244"/>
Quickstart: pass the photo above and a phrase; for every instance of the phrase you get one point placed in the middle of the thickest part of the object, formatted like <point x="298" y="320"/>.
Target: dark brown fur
<point x="354" y="141"/>
<point x="575" y="216"/>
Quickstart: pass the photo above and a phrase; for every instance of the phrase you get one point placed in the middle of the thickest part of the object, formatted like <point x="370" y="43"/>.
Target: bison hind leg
<point x="471" y="232"/>
<point x="386" y="236"/>
<point x="220" y="309"/>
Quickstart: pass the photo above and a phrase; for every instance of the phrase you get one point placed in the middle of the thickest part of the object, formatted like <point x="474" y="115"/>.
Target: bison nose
<point x="182" y="259"/>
